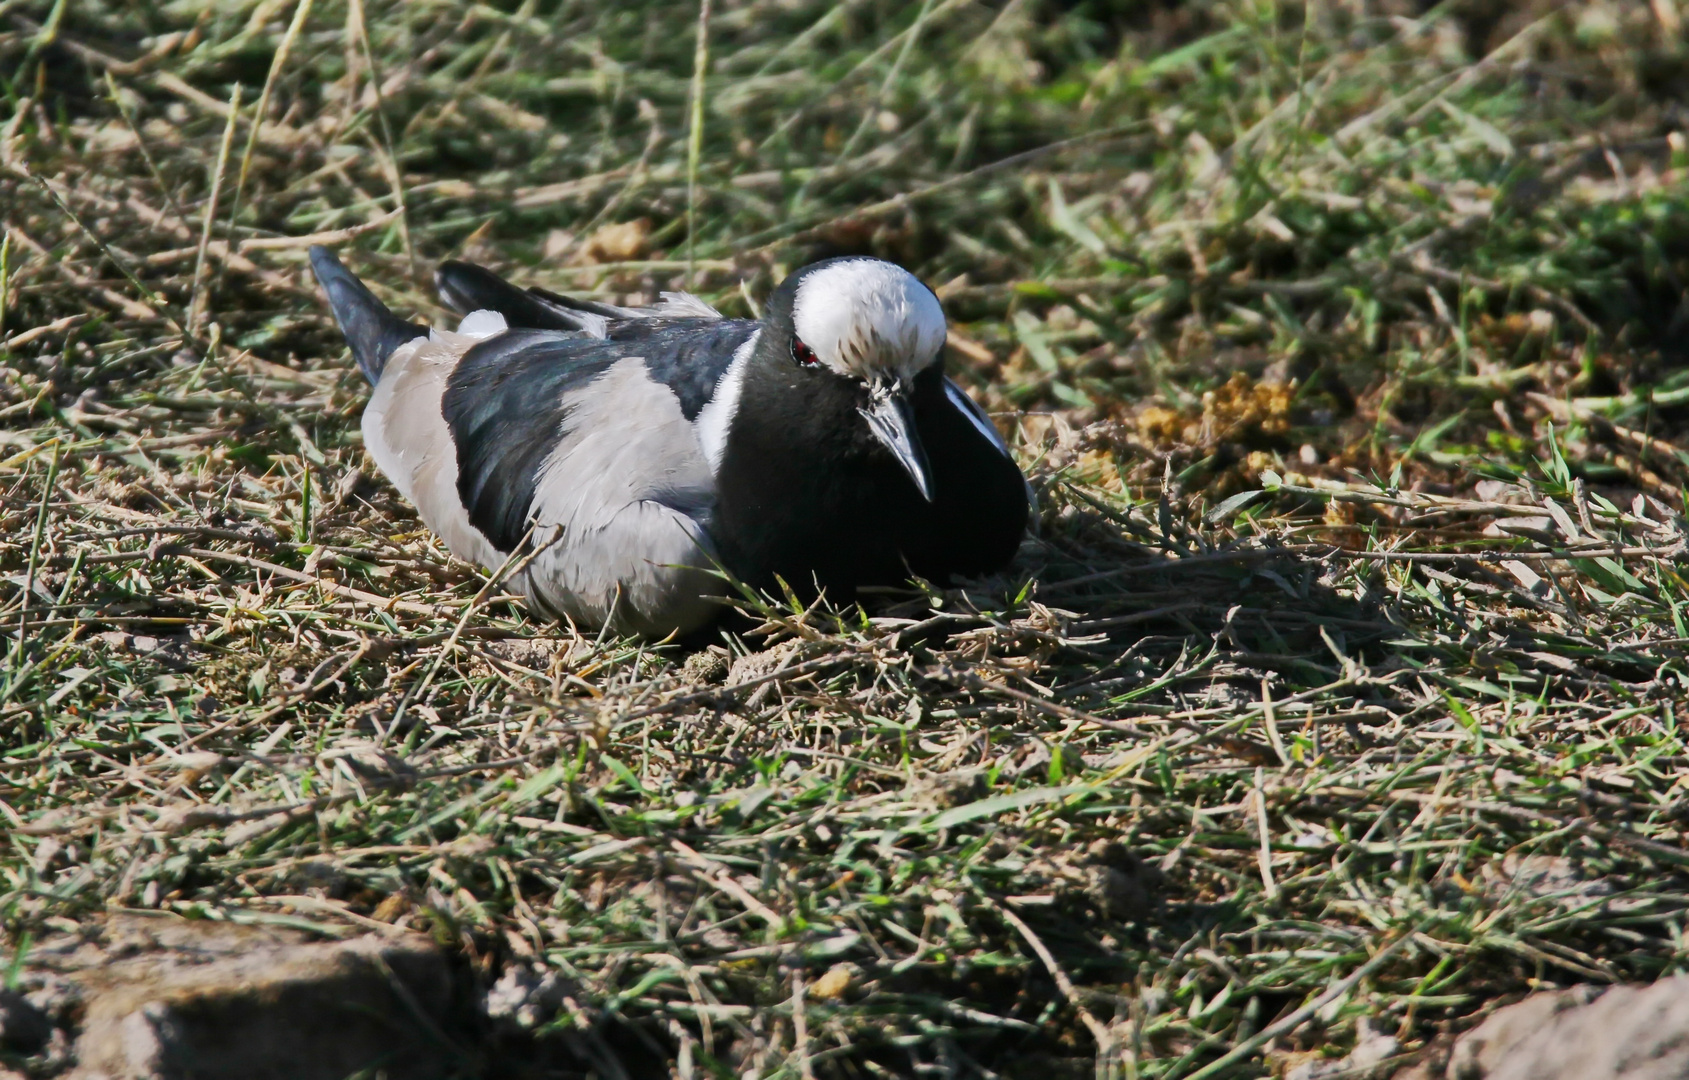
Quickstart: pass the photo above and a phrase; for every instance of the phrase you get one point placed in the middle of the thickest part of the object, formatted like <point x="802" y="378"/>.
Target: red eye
<point x="803" y="354"/>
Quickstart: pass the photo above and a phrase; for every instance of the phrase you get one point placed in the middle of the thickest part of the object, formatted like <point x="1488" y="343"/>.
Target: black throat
<point x="806" y="494"/>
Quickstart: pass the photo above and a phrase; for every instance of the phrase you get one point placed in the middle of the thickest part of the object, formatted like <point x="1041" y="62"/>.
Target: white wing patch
<point x="976" y="416"/>
<point x="592" y="325"/>
<point x="482" y="324"/>
<point x="716" y="417"/>
<point x="683" y="305"/>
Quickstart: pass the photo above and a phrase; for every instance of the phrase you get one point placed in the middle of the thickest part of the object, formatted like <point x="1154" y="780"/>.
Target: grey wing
<point x="511" y="397"/>
<point x="622" y="510"/>
<point x="590" y="445"/>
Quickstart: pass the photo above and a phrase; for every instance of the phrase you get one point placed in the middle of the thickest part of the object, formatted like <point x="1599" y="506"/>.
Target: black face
<point x="788" y="378"/>
<point x="808" y="492"/>
<point x="784" y="353"/>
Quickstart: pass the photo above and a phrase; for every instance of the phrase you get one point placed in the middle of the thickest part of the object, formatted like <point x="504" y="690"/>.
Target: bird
<point x="645" y="456"/>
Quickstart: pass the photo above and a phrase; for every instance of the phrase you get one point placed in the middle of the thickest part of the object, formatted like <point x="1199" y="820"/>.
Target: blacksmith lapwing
<point x="642" y="450"/>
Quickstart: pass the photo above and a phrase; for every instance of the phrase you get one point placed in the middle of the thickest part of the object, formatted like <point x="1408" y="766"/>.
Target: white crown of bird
<point x="868" y="319"/>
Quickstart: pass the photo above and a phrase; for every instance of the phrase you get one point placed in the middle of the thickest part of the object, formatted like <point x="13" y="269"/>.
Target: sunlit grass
<point x="1345" y="668"/>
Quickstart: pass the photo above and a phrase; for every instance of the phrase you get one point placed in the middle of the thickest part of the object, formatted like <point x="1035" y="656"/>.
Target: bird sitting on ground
<point x="641" y="451"/>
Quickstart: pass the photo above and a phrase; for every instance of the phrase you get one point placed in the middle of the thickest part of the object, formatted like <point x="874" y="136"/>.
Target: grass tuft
<point x="1343" y="344"/>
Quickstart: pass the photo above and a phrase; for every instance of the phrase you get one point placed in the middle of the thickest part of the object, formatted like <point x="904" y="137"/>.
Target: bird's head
<point x="865" y="322"/>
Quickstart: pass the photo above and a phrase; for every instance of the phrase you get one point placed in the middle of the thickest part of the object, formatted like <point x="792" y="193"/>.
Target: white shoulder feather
<point x="683" y="305"/>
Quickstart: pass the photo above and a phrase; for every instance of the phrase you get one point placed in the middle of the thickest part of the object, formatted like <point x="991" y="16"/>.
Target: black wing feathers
<point x="370" y="329"/>
<point x="466" y="287"/>
<point x="506" y="403"/>
<point x="591" y="307"/>
<point x="688" y="356"/>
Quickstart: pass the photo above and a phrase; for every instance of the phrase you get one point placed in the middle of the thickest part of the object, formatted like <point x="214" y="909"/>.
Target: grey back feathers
<point x="505" y="403"/>
<point x="621" y="542"/>
<point x="510" y="398"/>
<point x="571" y="444"/>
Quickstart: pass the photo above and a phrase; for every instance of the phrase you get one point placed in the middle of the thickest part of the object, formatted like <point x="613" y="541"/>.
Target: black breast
<point x="979" y="510"/>
<point x="806" y="494"/>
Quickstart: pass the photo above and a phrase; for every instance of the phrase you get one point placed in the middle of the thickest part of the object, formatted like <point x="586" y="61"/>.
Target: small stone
<point x="944" y="790"/>
<point x="1584" y="1033"/>
<point x="834" y="984"/>
<point x="1119" y="883"/>
<point x="758" y="664"/>
<point x="525" y="996"/>
<point x="305" y="1011"/>
<point x="532" y="653"/>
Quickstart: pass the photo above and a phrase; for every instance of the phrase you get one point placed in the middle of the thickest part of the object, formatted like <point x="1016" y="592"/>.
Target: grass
<point x="1343" y="345"/>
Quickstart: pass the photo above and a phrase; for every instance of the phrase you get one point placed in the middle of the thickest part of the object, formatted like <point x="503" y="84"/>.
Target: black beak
<point x="892" y="420"/>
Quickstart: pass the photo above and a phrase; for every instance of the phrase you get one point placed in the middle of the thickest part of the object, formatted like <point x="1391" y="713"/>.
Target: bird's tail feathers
<point x="370" y="328"/>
